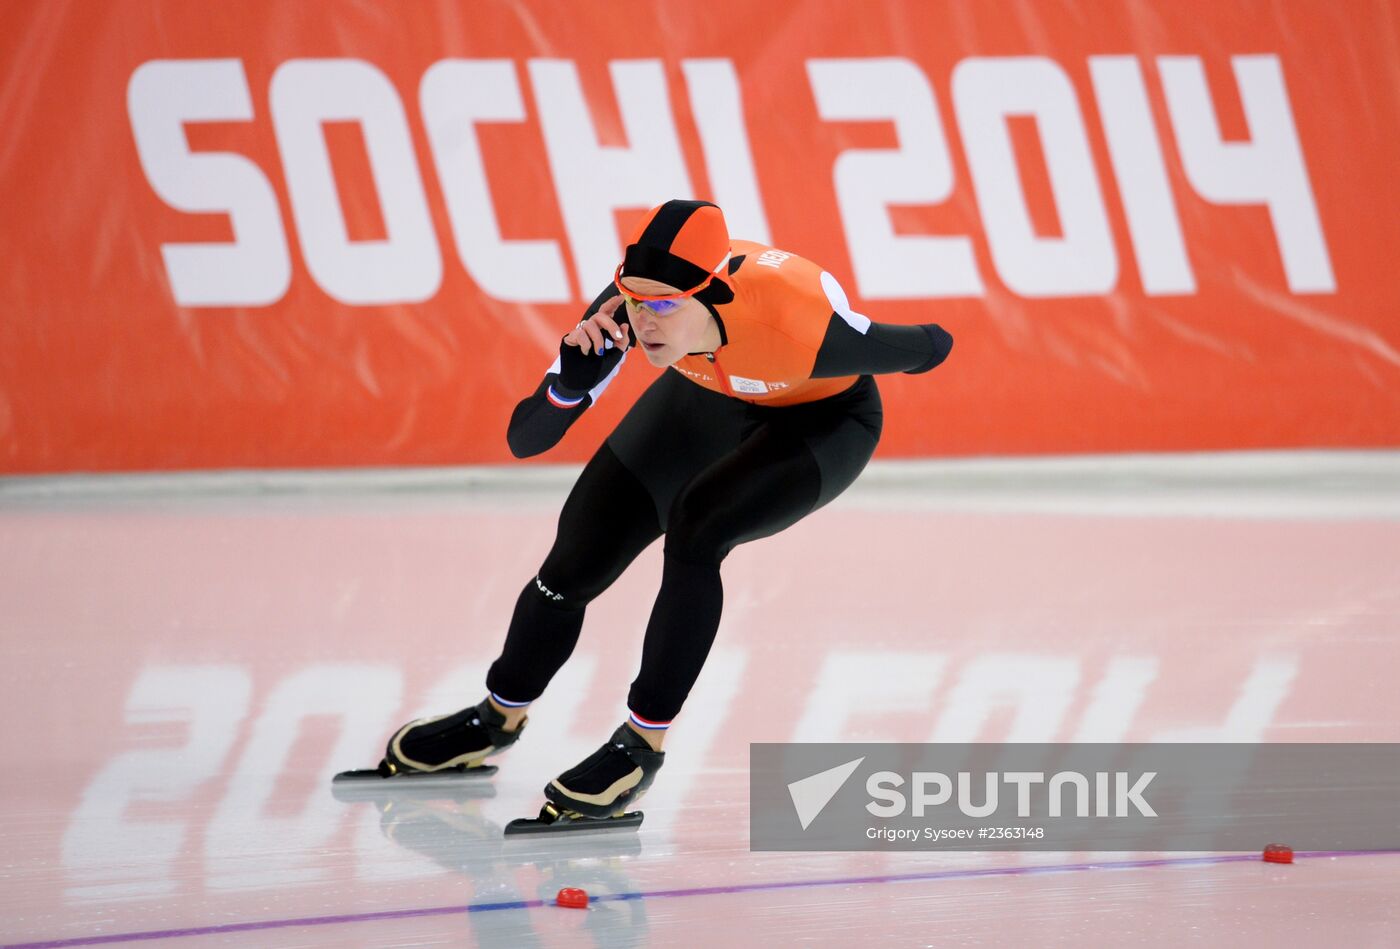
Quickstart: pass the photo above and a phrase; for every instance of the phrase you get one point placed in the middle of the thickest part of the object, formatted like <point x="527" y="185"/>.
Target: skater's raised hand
<point x="594" y="333"/>
<point x="603" y="333"/>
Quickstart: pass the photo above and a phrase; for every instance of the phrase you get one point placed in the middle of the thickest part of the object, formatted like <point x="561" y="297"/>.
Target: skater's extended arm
<point x="855" y="346"/>
<point x="589" y="357"/>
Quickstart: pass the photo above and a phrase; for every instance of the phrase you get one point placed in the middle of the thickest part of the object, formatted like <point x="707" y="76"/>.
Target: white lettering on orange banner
<point x="593" y="181"/>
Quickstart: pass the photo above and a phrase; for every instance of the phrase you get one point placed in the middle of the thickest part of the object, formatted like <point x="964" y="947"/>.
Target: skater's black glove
<point x="942" y="345"/>
<point x="580" y="371"/>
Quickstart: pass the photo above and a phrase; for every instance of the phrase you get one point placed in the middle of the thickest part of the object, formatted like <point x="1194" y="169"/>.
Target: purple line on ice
<point x="965" y="874"/>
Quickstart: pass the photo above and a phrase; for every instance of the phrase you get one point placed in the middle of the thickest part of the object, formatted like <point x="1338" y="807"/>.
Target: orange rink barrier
<point x="326" y="234"/>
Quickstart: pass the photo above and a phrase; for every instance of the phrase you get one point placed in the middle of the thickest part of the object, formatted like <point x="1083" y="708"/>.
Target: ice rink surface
<point x="186" y="662"/>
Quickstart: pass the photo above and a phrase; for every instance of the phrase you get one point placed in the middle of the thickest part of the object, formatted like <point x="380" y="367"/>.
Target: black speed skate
<point x="594" y="794"/>
<point x="443" y="749"/>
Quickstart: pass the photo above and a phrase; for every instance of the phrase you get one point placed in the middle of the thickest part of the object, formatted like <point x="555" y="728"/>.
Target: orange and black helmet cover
<point x="683" y="244"/>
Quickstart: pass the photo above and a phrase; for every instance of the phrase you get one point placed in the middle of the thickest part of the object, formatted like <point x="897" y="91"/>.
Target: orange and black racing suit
<point x="723" y="448"/>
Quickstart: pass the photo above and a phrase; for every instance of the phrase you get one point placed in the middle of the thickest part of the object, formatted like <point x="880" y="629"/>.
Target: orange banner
<point x="317" y="234"/>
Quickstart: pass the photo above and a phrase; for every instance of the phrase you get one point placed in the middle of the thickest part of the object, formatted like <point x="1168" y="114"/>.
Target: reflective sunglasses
<point x="660" y="304"/>
<point x="659" y="307"/>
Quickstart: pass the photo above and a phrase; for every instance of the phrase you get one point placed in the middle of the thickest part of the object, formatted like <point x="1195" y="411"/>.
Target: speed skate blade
<point x="367" y="783"/>
<point x="552" y="821"/>
<point x="453" y="776"/>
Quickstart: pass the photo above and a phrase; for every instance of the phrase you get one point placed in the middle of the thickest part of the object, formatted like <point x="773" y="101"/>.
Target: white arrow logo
<point x="811" y="795"/>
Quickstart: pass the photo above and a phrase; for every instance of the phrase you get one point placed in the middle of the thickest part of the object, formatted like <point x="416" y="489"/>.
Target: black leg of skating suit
<point x="768" y="483"/>
<point x="717" y="473"/>
<point x="605" y="523"/>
